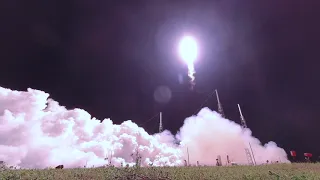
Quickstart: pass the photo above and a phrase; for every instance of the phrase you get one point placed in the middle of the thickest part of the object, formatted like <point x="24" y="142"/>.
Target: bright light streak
<point x="188" y="49"/>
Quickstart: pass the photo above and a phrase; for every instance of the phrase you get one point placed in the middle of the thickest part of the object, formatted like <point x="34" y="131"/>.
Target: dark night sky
<point x="108" y="58"/>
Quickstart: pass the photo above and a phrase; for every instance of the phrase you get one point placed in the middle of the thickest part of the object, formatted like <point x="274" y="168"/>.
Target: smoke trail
<point x="191" y="72"/>
<point x="36" y="132"/>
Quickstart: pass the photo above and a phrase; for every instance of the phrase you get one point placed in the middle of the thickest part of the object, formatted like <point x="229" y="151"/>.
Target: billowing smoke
<point x="208" y="135"/>
<point x="36" y="132"/>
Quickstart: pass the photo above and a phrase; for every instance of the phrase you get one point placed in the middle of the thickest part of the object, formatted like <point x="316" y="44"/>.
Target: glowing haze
<point x="36" y="132"/>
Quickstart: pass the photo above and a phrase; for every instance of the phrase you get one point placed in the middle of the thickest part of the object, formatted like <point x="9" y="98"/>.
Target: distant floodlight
<point x="188" y="49"/>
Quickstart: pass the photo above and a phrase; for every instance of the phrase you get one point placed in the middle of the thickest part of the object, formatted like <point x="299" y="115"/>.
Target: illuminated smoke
<point x="208" y="135"/>
<point x="191" y="72"/>
<point x="36" y="132"/>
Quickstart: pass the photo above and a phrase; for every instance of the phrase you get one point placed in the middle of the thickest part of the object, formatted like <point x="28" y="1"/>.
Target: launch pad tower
<point x="160" y="123"/>
<point x="220" y="109"/>
<point x="243" y="121"/>
<point x="251" y="159"/>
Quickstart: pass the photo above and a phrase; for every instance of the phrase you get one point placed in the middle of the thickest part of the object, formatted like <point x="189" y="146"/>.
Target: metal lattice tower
<point x="220" y="109"/>
<point x="249" y="157"/>
<point x="247" y="151"/>
<point x="160" y="123"/>
<point x="243" y="121"/>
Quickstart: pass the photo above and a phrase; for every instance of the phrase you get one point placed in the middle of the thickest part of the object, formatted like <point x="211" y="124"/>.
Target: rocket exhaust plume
<point x="188" y="50"/>
<point x="37" y="132"/>
<point x="191" y="72"/>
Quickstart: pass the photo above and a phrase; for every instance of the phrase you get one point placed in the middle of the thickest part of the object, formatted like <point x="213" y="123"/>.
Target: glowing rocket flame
<point x="188" y="50"/>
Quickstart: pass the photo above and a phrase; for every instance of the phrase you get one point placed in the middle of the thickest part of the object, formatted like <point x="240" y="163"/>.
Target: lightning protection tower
<point x="250" y="158"/>
<point x="220" y="109"/>
<point x="160" y="123"/>
<point x="243" y="121"/>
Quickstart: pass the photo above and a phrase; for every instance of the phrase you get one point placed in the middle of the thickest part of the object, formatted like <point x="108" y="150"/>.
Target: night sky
<point x="109" y="57"/>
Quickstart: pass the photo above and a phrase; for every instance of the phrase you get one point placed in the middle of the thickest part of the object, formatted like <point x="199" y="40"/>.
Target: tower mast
<point x="247" y="151"/>
<point x="243" y="121"/>
<point x="160" y="123"/>
<point x="220" y="109"/>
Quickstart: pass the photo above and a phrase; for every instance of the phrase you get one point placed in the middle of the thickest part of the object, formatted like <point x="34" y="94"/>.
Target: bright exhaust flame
<point x="188" y="51"/>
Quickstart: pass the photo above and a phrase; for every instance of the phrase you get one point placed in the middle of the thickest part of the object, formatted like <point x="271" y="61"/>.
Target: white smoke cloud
<point x="36" y="132"/>
<point x="208" y="135"/>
